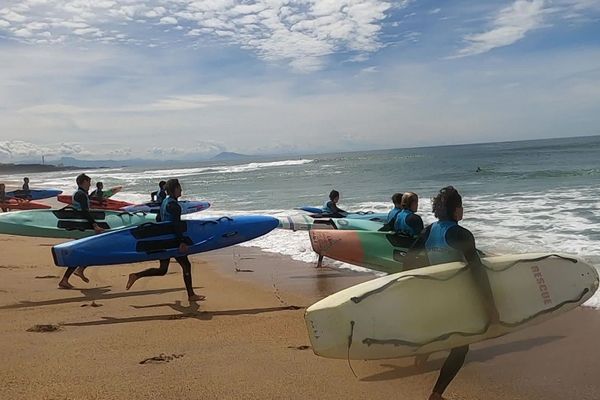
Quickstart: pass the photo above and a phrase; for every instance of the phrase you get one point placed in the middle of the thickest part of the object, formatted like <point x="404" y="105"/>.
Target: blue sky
<point x="187" y="79"/>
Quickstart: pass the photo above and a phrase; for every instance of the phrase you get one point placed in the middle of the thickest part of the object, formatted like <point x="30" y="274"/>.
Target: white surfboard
<point x="440" y="307"/>
<point x="302" y="222"/>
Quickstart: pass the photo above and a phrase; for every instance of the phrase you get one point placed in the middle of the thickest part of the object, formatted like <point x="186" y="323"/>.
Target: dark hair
<point x="408" y="199"/>
<point x="171" y="185"/>
<point x="333" y="194"/>
<point x="26" y="179"/>
<point x="82" y="178"/>
<point x="445" y="203"/>
<point x="397" y="198"/>
<point x="98" y="184"/>
<point x="161" y="184"/>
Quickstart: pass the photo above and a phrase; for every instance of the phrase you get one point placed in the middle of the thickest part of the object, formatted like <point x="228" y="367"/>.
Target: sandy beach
<point x="246" y="341"/>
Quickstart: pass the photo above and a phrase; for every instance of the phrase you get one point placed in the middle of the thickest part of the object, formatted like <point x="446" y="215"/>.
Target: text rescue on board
<point x="539" y="278"/>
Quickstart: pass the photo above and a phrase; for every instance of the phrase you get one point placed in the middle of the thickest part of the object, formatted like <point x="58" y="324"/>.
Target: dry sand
<point x="246" y="341"/>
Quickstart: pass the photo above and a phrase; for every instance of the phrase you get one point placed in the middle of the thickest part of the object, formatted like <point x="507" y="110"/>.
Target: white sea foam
<point x="557" y="221"/>
<point x="224" y="169"/>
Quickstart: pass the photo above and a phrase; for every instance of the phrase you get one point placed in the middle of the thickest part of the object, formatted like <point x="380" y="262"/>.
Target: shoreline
<point x="247" y="340"/>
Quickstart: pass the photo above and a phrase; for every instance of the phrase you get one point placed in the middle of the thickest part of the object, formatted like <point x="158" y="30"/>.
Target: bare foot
<point x="79" y="273"/>
<point x="131" y="281"/>
<point x="196" y="297"/>
<point x="64" y="285"/>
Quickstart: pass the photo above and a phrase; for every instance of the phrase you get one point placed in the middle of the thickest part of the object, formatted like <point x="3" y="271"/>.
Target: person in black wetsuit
<point x="159" y="195"/>
<point x="25" y="184"/>
<point x="81" y="202"/>
<point x="331" y="207"/>
<point x="170" y="211"/>
<point x="98" y="193"/>
<point x="407" y="221"/>
<point x="442" y="242"/>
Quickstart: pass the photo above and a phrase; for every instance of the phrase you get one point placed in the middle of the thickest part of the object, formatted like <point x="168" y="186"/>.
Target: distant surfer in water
<point x="442" y="242"/>
<point x="81" y="202"/>
<point x="25" y="184"/>
<point x="159" y="195"/>
<point x="170" y="211"/>
<point x="478" y="169"/>
<point x="331" y="207"/>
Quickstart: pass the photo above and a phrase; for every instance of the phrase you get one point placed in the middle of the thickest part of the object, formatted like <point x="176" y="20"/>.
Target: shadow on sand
<point x="183" y="312"/>
<point x="98" y="293"/>
<point x="479" y="355"/>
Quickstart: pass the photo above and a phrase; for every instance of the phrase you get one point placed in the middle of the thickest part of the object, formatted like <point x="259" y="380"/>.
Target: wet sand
<point x="246" y="341"/>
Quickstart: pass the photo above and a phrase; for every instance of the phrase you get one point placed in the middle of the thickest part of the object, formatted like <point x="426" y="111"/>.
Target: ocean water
<point x="530" y="196"/>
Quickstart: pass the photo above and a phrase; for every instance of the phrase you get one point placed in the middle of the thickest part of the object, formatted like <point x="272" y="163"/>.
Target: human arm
<point x="415" y="222"/>
<point x="462" y="239"/>
<point x="416" y="257"/>
<point x="174" y="210"/>
<point x="83" y="201"/>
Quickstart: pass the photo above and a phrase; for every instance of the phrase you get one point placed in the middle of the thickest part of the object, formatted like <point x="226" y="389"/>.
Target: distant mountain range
<point x="25" y="168"/>
<point x="230" y="156"/>
<point x="65" y="163"/>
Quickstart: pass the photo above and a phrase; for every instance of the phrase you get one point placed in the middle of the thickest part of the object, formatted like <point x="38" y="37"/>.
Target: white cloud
<point x="301" y="33"/>
<point x="168" y="21"/>
<point x="509" y="26"/>
<point x="189" y="102"/>
<point x="12" y="16"/>
<point x="14" y="150"/>
<point x="4" y="24"/>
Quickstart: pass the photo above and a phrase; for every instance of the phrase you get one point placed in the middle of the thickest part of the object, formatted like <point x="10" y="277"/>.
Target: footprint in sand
<point x="44" y="328"/>
<point x="93" y="304"/>
<point x="162" y="358"/>
<point x="303" y="347"/>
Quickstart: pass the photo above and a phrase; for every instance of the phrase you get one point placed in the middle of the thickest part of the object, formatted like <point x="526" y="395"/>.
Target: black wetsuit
<point x="462" y="240"/>
<point x="3" y="199"/>
<point x="97" y="194"/>
<point x="81" y="202"/>
<point x="159" y="196"/>
<point x="174" y="210"/>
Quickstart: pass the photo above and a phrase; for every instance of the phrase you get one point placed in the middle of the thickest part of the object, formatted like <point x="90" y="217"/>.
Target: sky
<point x="187" y="79"/>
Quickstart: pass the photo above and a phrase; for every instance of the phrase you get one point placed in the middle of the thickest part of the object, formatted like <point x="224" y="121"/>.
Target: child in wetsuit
<point x="170" y="211"/>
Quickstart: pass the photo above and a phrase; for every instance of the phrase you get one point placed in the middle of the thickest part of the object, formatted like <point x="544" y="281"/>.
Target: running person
<point x="81" y="202"/>
<point x="170" y="211"/>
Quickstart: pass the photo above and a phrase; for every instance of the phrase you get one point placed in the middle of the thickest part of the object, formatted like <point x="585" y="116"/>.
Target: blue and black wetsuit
<point x="158" y="196"/>
<point x="97" y="194"/>
<point x="442" y="242"/>
<point x="170" y="211"/>
<point x="408" y="223"/>
<point x="81" y="202"/>
<point x="332" y="210"/>
<point x="390" y="220"/>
